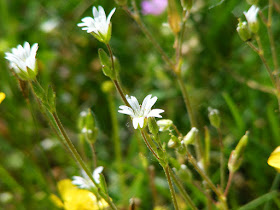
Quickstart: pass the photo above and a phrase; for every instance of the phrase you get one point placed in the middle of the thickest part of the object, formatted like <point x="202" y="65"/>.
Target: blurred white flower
<point x="99" y="26"/>
<point x="23" y="61"/>
<point x="140" y="113"/>
<point x="49" y="25"/>
<point x="252" y="13"/>
<point x="251" y="17"/>
<point x="84" y="182"/>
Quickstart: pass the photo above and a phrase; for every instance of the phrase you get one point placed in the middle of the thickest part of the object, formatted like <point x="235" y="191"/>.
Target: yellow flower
<point x="74" y="198"/>
<point x="274" y="159"/>
<point x="2" y="97"/>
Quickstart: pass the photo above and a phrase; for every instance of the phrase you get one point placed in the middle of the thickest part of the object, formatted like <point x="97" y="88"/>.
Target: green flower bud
<point x="106" y="63"/>
<point x="236" y="156"/>
<point x="243" y="31"/>
<point x="86" y="124"/>
<point x="174" y="18"/>
<point x="164" y="125"/>
<point x="187" y="4"/>
<point x="190" y="137"/>
<point x="252" y="19"/>
<point x="173" y="142"/>
<point x="153" y="127"/>
<point x="182" y="150"/>
<point x="214" y="117"/>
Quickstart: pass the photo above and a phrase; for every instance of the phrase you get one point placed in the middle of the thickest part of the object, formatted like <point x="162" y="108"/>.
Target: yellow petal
<point x="56" y="201"/>
<point x="274" y="159"/>
<point x="2" y="97"/>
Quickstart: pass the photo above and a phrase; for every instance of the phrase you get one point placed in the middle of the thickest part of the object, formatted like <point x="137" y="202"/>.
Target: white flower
<point x="99" y="25"/>
<point x="252" y="13"/>
<point x="23" y="61"/>
<point x="140" y="113"/>
<point x="251" y="17"/>
<point x="84" y="182"/>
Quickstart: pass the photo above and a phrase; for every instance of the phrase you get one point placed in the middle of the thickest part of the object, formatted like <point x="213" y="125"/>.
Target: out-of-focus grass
<point x="67" y="59"/>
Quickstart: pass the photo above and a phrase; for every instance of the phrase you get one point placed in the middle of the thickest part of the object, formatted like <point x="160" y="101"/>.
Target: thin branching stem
<point x="228" y="183"/>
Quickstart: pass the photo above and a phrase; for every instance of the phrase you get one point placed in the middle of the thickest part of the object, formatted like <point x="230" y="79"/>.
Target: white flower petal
<point x="135" y="122"/>
<point x="141" y="121"/>
<point x="96" y="174"/>
<point x="155" y="113"/>
<point x="110" y="15"/>
<point x="126" y="110"/>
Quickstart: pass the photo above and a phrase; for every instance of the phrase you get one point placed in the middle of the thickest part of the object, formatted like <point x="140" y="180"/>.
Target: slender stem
<point x="203" y="175"/>
<point x="191" y="114"/>
<point x="148" y="145"/>
<point x="151" y="171"/>
<point x="117" y="142"/>
<point x="179" y="48"/>
<point x="228" y="183"/>
<point x="93" y="152"/>
<point x="260" y="53"/>
<point x="181" y="189"/>
<point x="137" y="19"/>
<point x="120" y="91"/>
<point x="111" y="56"/>
<point x="172" y="191"/>
<point x="78" y="158"/>
<point x="176" y="129"/>
<point x="222" y="161"/>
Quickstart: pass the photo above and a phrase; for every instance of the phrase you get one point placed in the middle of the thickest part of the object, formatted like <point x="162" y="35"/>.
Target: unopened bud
<point x="243" y="31"/>
<point x="86" y="124"/>
<point x="153" y="127"/>
<point x="173" y="17"/>
<point x="236" y="156"/>
<point x="190" y="137"/>
<point x="173" y="142"/>
<point x="182" y="150"/>
<point x="214" y="117"/>
<point x="106" y="64"/>
<point x="187" y="4"/>
<point x="252" y="19"/>
<point x="164" y="125"/>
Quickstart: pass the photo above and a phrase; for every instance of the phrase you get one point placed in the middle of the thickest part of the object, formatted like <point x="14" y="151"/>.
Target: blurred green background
<point x="32" y="159"/>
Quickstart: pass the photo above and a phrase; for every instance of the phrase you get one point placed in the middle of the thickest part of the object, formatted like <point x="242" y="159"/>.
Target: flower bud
<point x="164" y="125"/>
<point x="106" y="64"/>
<point x="182" y="150"/>
<point x="187" y="4"/>
<point x="173" y="17"/>
<point x="86" y="124"/>
<point x="252" y="19"/>
<point x="243" y="31"/>
<point x="236" y="156"/>
<point x="190" y="137"/>
<point x="153" y="127"/>
<point x="173" y="142"/>
<point x="214" y="117"/>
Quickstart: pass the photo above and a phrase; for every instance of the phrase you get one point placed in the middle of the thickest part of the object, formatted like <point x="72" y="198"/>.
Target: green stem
<point x="117" y="142"/>
<point x="172" y="191"/>
<point x="228" y="184"/>
<point x="222" y="161"/>
<point x="274" y="186"/>
<point x="203" y="175"/>
<point x="78" y="158"/>
<point x="181" y="189"/>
